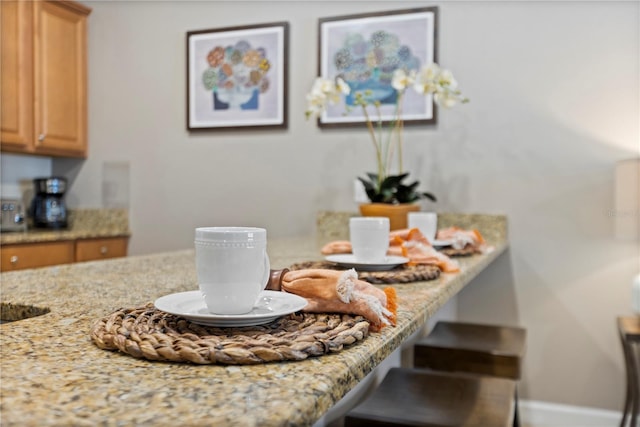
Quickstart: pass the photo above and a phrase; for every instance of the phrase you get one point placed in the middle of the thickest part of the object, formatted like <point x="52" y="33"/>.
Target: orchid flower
<point x="325" y="92"/>
<point x="430" y="80"/>
<point x="401" y="80"/>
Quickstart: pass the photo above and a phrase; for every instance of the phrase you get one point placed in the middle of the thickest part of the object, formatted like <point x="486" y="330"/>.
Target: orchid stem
<point x="375" y="144"/>
<point x="399" y="129"/>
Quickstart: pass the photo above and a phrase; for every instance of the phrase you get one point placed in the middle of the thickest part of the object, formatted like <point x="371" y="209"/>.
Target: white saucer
<point x="270" y="306"/>
<point x="441" y="243"/>
<point x="350" y="261"/>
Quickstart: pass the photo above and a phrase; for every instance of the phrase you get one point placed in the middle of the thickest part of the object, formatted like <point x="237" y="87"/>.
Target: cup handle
<point x="267" y="272"/>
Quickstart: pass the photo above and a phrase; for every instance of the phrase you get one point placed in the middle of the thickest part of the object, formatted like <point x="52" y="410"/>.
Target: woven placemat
<point x="148" y="333"/>
<point x="466" y="251"/>
<point x="400" y="274"/>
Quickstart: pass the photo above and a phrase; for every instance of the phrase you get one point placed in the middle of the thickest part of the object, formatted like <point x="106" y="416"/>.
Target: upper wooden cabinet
<point x="16" y="55"/>
<point x="44" y="77"/>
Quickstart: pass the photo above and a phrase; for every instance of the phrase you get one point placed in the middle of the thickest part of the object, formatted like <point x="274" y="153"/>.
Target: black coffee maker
<point x="48" y="209"/>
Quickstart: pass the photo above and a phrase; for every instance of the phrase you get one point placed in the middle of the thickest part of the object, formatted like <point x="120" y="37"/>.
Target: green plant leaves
<point x="392" y="191"/>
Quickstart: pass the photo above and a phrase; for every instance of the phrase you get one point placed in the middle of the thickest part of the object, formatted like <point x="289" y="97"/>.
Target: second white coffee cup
<point x="232" y="266"/>
<point x="369" y="238"/>
<point x="426" y="222"/>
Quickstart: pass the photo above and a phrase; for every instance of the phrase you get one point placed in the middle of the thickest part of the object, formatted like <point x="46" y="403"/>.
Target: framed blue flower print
<point x="364" y="51"/>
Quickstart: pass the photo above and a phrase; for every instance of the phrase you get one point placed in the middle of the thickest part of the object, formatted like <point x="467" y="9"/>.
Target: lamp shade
<point x="627" y="200"/>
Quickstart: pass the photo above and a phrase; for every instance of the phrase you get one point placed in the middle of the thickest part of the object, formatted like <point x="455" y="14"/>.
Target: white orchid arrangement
<point x="430" y="80"/>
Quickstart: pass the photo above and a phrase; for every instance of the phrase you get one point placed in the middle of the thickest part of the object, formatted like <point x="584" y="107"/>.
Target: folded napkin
<point x="332" y="291"/>
<point x="412" y="244"/>
<point x="409" y="243"/>
<point x="463" y="238"/>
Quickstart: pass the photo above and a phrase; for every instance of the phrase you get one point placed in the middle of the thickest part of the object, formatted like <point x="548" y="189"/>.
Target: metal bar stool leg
<point x="629" y="330"/>
<point x="635" y="386"/>
<point x="629" y="392"/>
<point x="516" y="411"/>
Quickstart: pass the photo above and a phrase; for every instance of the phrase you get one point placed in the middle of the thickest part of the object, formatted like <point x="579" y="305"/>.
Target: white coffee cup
<point x="369" y="237"/>
<point x="426" y="222"/>
<point x="233" y="267"/>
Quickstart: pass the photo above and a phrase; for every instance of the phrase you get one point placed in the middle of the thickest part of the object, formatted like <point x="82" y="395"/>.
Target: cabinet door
<point x="32" y="255"/>
<point x="60" y="60"/>
<point x="16" y="71"/>
<point x="94" y="249"/>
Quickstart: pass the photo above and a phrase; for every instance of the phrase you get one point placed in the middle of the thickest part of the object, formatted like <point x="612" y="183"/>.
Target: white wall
<point x="554" y="104"/>
<point x="16" y="175"/>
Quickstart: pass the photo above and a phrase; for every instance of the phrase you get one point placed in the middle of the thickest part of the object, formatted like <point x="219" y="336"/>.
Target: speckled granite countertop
<point x="83" y="224"/>
<point x="52" y="374"/>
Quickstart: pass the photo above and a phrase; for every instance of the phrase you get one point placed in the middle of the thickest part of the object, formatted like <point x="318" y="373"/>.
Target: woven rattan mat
<point x="466" y="251"/>
<point x="400" y="274"/>
<point x="148" y="333"/>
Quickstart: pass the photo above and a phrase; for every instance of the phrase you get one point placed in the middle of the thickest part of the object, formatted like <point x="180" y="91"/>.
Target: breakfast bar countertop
<point x="52" y="374"/>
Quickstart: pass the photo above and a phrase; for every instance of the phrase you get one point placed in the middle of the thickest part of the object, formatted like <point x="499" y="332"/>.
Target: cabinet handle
<point x="41" y="137"/>
<point x="13" y="259"/>
<point x="104" y="250"/>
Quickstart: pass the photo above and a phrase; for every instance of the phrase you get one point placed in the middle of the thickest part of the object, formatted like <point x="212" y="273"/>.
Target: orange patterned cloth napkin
<point x="412" y="244"/>
<point x="462" y="238"/>
<point x="332" y="291"/>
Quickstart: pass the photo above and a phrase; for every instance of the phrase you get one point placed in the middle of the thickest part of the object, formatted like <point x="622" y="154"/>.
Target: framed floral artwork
<point x="365" y="50"/>
<point x="237" y="77"/>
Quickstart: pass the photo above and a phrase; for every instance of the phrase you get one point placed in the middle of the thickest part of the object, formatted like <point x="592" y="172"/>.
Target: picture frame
<point x="365" y="49"/>
<point x="237" y="77"/>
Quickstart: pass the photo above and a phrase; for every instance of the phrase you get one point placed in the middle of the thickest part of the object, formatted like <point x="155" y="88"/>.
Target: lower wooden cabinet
<point x="33" y="255"/>
<point x="92" y="249"/>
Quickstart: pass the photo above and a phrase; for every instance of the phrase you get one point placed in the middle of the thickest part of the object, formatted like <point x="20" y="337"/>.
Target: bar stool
<point x="629" y="330"/>
<point x="421" y="397"/>
<point x="480" y="349"/>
